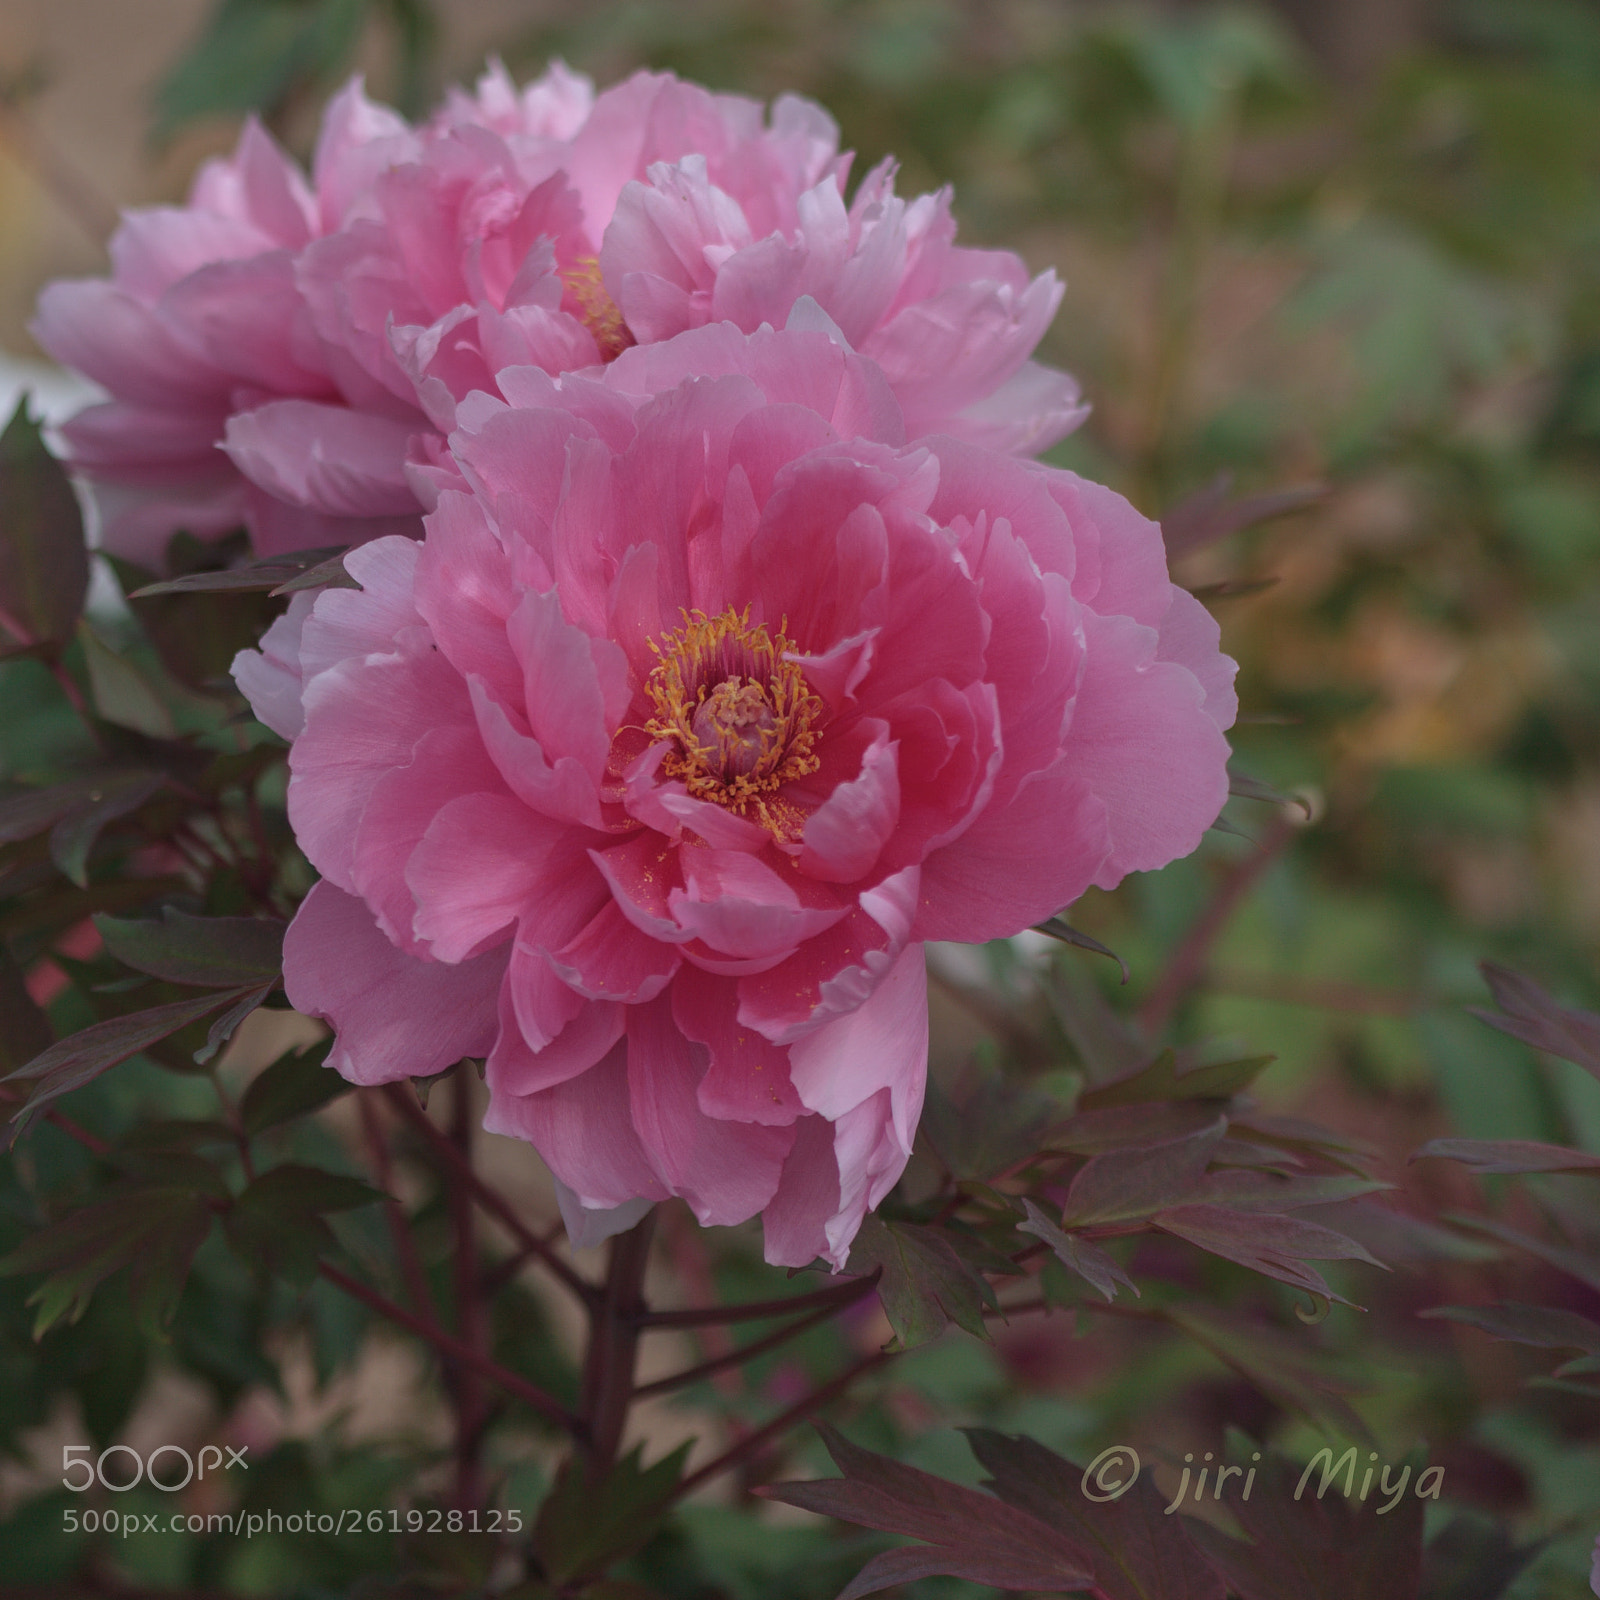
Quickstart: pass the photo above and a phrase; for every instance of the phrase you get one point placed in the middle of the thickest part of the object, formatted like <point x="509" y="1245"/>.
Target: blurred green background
<point x="1354" y="246"/>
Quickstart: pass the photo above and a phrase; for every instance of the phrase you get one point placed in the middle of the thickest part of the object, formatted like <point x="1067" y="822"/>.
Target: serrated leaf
<point x="276" y="1223"/>
<point x="154" y="1232"/>
<point x="1089" y="1261"/>
<point x="968" y="1534"/>
<point x="296" y="1084"/>
<point x="1528" y="1013"/>
<point x="44" y="562"/>
<point x="925" y="1285"/>
<point x="1276" y="1246"/>
<point x="1123" y="1185"/>
<point x="122" y="694"/>
<point x="210" y="952"/>
<point x="82" y="1057"/>
<point x="1161" y="1080"/>
<point x="1291" y="1371"/>
<point x="583" y="1527"/>
<point x="1509" y="1155"/>
<point x="986" y="1124"/>
<point x="1315" y="1546"/>
<point x="1133" y="1549"/>
<point x="1548" y="1327"/>
<point x="76" y="834"/>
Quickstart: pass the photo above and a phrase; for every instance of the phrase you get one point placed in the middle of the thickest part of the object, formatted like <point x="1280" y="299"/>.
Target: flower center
<point x="739" y="716"/>
<point x="596" y="310"/>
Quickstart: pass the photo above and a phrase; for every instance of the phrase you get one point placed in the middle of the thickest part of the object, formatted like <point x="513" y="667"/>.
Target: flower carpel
<point x="738" y="714"/>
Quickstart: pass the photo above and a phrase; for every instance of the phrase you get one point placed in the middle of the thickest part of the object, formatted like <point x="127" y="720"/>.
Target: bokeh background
<point x="1352" y="248"/>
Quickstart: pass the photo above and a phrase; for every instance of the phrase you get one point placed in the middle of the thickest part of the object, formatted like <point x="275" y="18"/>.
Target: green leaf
<point x="277" y="1222"/>
<point x="83" y="1056"/>
<point x="583" y="1527"/>
<point x="122" y="694"/>
<point x="925" y="1285"/>
<point x="44" y="563"/>
<point x="1161" y="1080"/>
<point x="986" y="1124"/>
<point x="214" y="952"/>
<point x="253" y="54"/>
<point x="1089" y="1261"/>
<point x="296" y="1084"/>
<point x="154" y="1232"/>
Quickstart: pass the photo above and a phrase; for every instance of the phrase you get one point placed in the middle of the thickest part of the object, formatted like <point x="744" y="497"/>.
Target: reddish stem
<point x="405" y="1246"/>
<point x="748" y="1352"/>
<point x="469" y="1307"/>
<point x="614" y="1325"/>
<point x="1188" y="961"/>
<point x="753" y="1310"/>
<point x="448" y="1345"/>
<point x="798" y="1412"/>
<point x="494" y="1203"/>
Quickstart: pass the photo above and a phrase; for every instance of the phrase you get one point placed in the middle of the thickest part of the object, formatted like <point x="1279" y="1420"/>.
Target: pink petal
<point x="1020" y="864"/>
<point x="748" y="1079"/>
<point x="515" y="1069"/>
<point x="329" y="458"/>
<point x="584" y="1130"/>
<point x="845" y="835"/>
<point x="483" y="861"/>
<point x="795" y="1223"/>
<point x="396" y="1017"/>
<point x="1143" y="743"/>
<point x="610" y="959"/>
<point x="726" y="1171"/>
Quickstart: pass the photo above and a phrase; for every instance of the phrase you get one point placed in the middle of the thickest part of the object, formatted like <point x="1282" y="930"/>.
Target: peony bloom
<point x="322" y="332"/>
<point x="702" y="704"/>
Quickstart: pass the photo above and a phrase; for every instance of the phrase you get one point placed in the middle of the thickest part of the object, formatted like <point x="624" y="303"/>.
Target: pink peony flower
<point x="702" y="704"/>
<point x="322" y="333"/>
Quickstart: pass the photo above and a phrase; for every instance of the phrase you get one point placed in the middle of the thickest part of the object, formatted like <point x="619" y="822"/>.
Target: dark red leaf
<point x="1134" y="1549"/>
<point x="1125" y="1184"/>
<point x="1528" y="1013"/>
<point x="969" y="1535"/>
<point x="44" y="563"/>
<point x="210" y="952"/>
<point x="1548" y="1327"/>
<point x="1509" y="1155"/>
<point x="1162" y="1081"/>
<point x="925" y="1284"/>
<point x="1277" y="1246"/>
<point x="1208" y="515"/>
<point x="1089" y="1261"/>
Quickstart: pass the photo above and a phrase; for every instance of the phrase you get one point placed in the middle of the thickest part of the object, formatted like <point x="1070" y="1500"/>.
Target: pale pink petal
<point x="395" y="1016"/>
<point x="269" y="677"/>
<point x="516" y="1069"/>
<point x="329" y="458"/>
<point x="845" y="835"/>
<point x="748" y="1079"/>
<point x="584" y="1130"/>
<point x="610" y="959"/>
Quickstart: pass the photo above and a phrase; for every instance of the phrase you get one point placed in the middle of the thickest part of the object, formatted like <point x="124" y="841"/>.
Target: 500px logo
<point x="80" y="1474"/>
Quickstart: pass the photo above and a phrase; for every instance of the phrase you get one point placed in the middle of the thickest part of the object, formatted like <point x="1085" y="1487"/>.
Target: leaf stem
<point x="798" y="1412"/>
<point x="469" y="1406"/>
<point x="743" y="1353"/>
<point x="405" y="1246"/>
<point x="448" y="1345"/>
<point x="753" y="1310"/>
<point x="491" y="1201"/>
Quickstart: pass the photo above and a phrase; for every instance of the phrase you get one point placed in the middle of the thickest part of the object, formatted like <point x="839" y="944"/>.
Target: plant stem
<point x="743" y="1353"/>
<point x="614" y="1323"/>
<point x="495" y="1204"/>
<point x="405" y="1246"/>
<point x="1188" y="961"/>
<point x="469" y="1308"/>
<point x="448" y="1345"/>
<point x="798" y="1412"/>
<point x="753" y="1310"/>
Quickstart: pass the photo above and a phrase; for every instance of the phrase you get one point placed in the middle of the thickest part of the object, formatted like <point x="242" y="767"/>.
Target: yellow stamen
<point x="740" y="716"/>
<point x="596" y="309"/>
